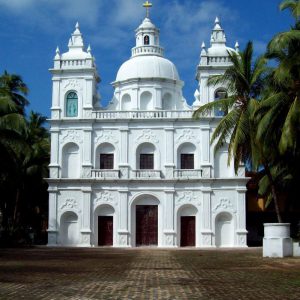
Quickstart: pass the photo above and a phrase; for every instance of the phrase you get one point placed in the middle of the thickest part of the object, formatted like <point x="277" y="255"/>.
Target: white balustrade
<point x="144" y="174"/>
<point x="105" y="174"/>
<point x="140" y="114"/>
<point x="187" y="173"/>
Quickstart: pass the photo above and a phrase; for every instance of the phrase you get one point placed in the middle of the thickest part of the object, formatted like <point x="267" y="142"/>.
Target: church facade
<point x="141" y="171"/>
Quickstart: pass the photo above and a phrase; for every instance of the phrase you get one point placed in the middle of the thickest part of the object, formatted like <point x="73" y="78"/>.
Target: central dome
<point x="147" y="67"/>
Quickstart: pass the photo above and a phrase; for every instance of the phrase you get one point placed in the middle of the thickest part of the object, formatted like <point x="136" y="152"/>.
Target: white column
<point x="54" y="163"/>
<point x="86" y="217"/>
<point x="206" y="218"/>
<point x="87" y="153"/>
<point x="158" y="96"/>
<point x="123" y="165"/>
<point x="135" y="98"/>
<point x="168" y="219"/>
<point x="52" y="217"/>
<point x="241" y="232"/>
<point x="56" y="109"/>
<point x="169" y="150"/>
<point x="206" y="163"/>
<point x="123" y="232"/>
<point x="87" y="99"/>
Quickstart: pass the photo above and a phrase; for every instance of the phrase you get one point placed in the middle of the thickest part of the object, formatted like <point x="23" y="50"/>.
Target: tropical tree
<point x="13" y="86"/>
<point x="24" y="158"/>
<point x="244" y="82"/>
<point x="279" y="112"/>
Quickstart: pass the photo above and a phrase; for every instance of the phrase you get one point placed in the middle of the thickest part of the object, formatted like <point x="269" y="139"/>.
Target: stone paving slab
<point x="109" y="273"/>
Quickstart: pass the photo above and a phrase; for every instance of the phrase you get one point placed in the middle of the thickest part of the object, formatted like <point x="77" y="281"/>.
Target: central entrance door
<point x="146" y="225"/>
<point x="187" y="236"/>
<point x="105" y="230"/>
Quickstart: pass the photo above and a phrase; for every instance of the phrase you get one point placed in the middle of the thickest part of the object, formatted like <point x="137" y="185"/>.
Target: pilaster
<point x="54" y="163"/>
<point x="52" y="218"/>
<point x="87" y="153"/>
<point x="169" y="219"/>
<point x="206" y="232"/>
<point x="123" y="233"/>
<point x="169" y="149"/>
<point x="241" y="231"/>
<point x="86" y="217"/>
<point x="123" y="165"/>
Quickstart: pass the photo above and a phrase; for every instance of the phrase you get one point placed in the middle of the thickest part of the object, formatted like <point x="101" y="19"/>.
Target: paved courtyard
<point x="106" y="273"/>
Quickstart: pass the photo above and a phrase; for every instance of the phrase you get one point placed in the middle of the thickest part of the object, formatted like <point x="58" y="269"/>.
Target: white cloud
<point x="17" y="5"/>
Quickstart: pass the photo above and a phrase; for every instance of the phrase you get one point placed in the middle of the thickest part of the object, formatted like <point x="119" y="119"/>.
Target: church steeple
<point x="76" y="40"/>
<point x="147" y="37"/>
<point x="218" y="37"/>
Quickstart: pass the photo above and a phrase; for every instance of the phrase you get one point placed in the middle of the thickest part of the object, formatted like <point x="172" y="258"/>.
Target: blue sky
<point x="31" y="30"/>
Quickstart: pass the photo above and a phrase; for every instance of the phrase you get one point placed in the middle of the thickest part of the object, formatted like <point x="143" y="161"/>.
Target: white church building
<point x="141" y="171"/>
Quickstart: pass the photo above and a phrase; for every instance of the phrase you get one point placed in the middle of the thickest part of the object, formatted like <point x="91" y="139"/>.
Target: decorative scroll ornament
<point x="72" y="136"/>
<point x="106" y="197"/>
<point x="147" y="136"/>
<point x="224" y="204"/>
<point x="187" y="135"/>
<point x="70" y="203"/>
<point x="106" y="136"/>
<point x="72" y="84"/>
<point x="188" y="198"/>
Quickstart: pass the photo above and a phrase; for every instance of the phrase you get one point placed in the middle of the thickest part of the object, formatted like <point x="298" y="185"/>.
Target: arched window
<point x="186" y="156"/>
<point x="70" y="161"/>
<point x="146" y="40"/>
<point x="72" y="105"/>
<point x="145" y="156"/>
<point x="126" y="102"/>
<point x="146" y="101"/>
<point x="220" y="111"/>
<point x="105" y="156"/>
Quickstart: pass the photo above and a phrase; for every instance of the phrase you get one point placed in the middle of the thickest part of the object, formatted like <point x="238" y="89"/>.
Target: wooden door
<point x="146" y="225"/>
<point x="187" y="235"/>
<point x="105" y="230"/>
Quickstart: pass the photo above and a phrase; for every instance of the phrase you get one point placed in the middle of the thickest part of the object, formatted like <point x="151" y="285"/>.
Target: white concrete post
<point x="86" y="217"/>
<point x="206" y="163"/>
<point x="169" y="150"/>
<point x="241" y="232"/>
<point x="206" y="221"/>
<point x="54" y="163"/>
<point x="52" y="218"/>
<point x="123" y="232"/>
<point x="87" y="153"/>
<point x="169" y="218"/>
<point x="123" y="165"/>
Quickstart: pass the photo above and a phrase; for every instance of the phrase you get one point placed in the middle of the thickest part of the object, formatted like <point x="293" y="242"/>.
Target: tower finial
<point x="147" y="5"/>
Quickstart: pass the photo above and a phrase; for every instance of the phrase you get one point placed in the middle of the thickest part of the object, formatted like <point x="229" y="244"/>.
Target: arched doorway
<point x="69" y="229"/>
<point x="187" y="220"/>
<point x="104" y="225"/>
<point x="145" y="215"/>
<point x="224" y="230"/>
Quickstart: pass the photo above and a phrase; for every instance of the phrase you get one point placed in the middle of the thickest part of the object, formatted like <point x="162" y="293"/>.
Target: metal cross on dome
<point x="147" y="5"/>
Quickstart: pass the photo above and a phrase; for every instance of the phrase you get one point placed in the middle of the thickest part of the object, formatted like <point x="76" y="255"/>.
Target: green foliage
<point x="244" y="82"/>
<point x="24" y="159"/>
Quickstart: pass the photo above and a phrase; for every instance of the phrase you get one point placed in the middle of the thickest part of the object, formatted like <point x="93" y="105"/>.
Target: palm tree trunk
<point x="16" y="208"/>
<point x="274" y="193"/>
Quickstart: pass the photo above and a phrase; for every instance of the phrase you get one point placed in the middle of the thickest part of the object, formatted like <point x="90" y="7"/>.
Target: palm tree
<point x="13" y="86"/>
<point x="244" y="82"/>
<point x="293" y="6"/>
<point x="279" y="112"/>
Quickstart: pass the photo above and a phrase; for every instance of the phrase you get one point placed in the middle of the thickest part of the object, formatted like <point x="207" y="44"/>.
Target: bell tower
<point x="75" y="79"/>
<point x="213" y="61"/>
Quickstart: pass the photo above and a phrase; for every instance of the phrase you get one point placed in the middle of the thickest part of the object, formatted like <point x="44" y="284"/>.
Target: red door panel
<point x="105" y="230"/>
<point x="187" y="236"/>
<point x="146" y="225"/>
